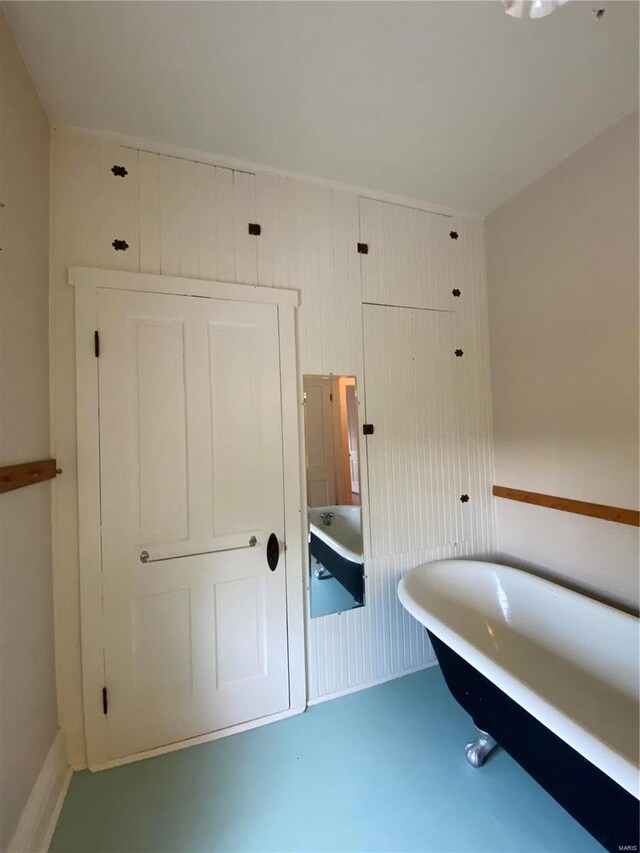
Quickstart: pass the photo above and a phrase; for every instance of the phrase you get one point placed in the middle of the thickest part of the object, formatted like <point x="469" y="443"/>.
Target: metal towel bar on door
<point x="145" y="558"/>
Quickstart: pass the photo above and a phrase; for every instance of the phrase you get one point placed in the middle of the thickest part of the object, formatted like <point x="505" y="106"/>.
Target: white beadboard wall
<point x="182" y="217"/>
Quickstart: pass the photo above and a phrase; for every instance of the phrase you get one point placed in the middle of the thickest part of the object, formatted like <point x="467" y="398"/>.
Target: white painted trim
<point x="199" y="156"/>
<point x="87" y="281"/>
<point x="327" y="697"/>
<point x="197" y="741"/>
<point x="294" y="538"/>
<point x="89" y="521"/>
<point x="178" y="286"/>
<point x="40" y="814"/>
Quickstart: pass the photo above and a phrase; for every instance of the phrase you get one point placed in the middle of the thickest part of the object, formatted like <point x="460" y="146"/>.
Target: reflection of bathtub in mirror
<point x="344" y="531"/>
<point x="335" y="543"/>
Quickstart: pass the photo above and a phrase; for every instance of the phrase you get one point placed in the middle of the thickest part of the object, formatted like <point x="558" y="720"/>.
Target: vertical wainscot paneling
<point x="187" y="218"/>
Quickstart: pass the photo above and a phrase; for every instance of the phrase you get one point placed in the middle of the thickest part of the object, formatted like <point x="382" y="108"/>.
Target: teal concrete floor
<point x="328" y="595"/>
<point x="382" y="769"/>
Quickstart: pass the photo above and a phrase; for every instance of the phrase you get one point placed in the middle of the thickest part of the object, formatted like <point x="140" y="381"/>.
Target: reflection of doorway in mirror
<point x="352" y="433"/>
<point x="344" y="416"/>
<point x="319" y="431"/>
<point x="331" y="436"/>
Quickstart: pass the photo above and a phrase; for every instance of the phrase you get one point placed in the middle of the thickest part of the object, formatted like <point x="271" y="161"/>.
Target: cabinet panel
<point x="194" y="220"/>
<point x="308" y="243"/>
<point x="413" y="402"/>
<point x="411" y="259"/>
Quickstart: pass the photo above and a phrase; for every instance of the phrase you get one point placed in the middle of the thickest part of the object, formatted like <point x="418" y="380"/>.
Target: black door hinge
<point x="367" y="429"/>
<point x="96" y="343"/>
<point x="254" y="229"/>
<point x="105" y="701"/>
<point x="363" y="248"/>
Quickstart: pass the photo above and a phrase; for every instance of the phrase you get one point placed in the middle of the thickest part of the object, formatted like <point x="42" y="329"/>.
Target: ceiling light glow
<point x="531" y="8"/>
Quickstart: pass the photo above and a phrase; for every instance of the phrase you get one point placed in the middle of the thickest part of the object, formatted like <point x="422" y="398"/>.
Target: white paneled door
<point x="191" y="465"/>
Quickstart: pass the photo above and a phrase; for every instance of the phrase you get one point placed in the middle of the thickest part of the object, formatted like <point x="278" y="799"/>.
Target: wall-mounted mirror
<point x="336" y="563"/>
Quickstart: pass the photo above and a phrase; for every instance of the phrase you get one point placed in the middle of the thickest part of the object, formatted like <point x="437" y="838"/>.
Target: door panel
<point x="237" y="434"/>
<point x="193" y="220"/>
<point x="162" y="456"/>
<point x="240" y="602"/>
<point x="413" y="403"/>
<point x="412" y="258"/>
<point x="191" y="466"/>
<point x="162" y="643"/>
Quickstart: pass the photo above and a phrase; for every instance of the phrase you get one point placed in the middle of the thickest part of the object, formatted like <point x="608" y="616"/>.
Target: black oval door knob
<point x="273" y="552"/>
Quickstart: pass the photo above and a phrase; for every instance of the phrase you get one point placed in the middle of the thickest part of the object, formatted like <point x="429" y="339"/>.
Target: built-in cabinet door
<point x="412" y="257"/>
<point x="191" y="489"/>
<point x="413" y="402"/>
<point x="194" y="220"/>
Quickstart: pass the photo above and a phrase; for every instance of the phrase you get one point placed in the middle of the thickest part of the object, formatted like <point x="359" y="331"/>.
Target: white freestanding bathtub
<point x="518" y="651"/>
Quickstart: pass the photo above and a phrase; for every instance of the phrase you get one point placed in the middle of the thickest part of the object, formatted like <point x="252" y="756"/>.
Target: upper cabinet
<point x="119" y="208"/>
<point x="411" y="259"/>
<point x="194" y="220"/>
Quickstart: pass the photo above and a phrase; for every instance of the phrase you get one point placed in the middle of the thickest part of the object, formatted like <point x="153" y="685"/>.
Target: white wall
<point x="182" y="217"/>
<point x="562" y="259"/>
<point x="28" y="717"/>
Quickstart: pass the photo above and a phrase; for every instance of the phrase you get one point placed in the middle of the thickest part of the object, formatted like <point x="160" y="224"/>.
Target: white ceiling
<point x="454" y="103"/>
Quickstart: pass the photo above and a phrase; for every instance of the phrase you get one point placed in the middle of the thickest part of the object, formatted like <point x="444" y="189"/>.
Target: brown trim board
<point x="608" y="513"/>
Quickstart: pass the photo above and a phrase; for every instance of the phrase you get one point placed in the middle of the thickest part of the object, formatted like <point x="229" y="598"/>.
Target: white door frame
<point x="87" y="281"/>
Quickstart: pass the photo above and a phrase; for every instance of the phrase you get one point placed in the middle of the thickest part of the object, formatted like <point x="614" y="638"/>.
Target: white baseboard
<point x="327" y="697"/>
<point x="40" y="814"/>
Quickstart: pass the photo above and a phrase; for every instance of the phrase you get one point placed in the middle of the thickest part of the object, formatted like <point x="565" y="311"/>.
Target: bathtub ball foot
<point x="321" y="573"/>
<point x="478" y="751"/>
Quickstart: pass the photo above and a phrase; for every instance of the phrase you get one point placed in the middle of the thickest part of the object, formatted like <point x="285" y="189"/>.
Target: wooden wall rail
<point x="608" y="513"/>
<point x="26" y="474"/>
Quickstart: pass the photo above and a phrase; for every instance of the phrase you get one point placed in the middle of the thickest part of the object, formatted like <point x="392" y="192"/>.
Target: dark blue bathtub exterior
<point x="348" y="573"/>
<point x="605" y="809"/>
